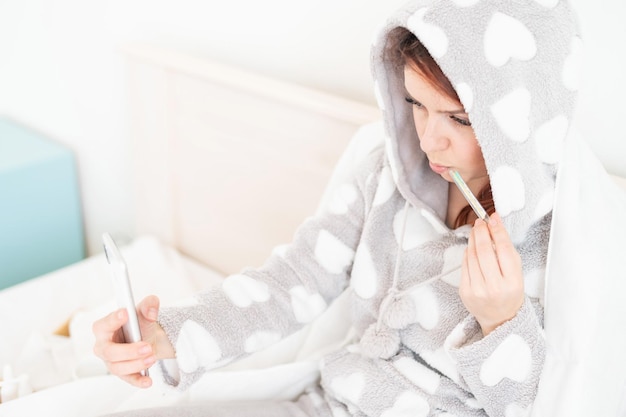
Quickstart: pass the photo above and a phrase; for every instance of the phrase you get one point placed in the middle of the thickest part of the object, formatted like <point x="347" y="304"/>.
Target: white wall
<point x="61" y="72"/>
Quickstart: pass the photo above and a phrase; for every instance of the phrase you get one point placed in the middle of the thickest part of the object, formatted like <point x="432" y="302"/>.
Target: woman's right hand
<point x="492" y="280"/>
<point x="127" y="360"/>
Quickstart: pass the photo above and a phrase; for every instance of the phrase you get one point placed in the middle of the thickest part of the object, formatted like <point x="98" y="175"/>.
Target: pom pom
<point x="380" y="343"/>
<point x="400" y="313"/>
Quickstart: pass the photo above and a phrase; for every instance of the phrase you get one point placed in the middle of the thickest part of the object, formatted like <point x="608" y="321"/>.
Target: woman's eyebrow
<point x="460" y="111"/>
<point x="450" y="112"/>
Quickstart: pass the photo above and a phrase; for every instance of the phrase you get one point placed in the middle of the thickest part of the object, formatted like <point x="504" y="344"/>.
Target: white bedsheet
<point x="64" y="369"/>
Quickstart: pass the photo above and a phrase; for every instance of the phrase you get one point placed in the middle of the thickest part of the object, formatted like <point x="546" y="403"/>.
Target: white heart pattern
<point x="280" y="250"/>
<point x="306" y="306"/>
<point x="544" y="204"/>
<point x="243" y="290"/>
<point x="507" y="183"/>
<point x="433" y="37"/>
<point x="426" y="307"/>
<point x="332" y="254"/>
<point x="534" y="282"/>
<point x="386" y="187"/>
<point x="417" y="229"/>
<point x="342" y="198"/>
<point x="573" y="66"/>
<point x="364" y="279"/>
<point x="507" y="38"/>
<point x="516" y="410"/>
<point x="511" y="359"/>
<point x="465" y="93"/>
<point x="512" y="113"/>
<point x="408" y="404"/>
<point x="196" y="348"/>
<point x="349" y="387"/>
<point x="452" y="261"/>
<point x="435" y="222"/>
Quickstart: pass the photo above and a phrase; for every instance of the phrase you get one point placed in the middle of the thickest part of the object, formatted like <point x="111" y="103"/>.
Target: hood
<point x="515" y="67"/>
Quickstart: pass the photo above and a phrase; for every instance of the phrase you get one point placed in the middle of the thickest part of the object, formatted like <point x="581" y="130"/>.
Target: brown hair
<point x="405" y="49"/>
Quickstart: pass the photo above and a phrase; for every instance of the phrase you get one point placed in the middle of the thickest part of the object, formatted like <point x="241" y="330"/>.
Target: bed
<point x="217" y="188"/>
<point x="208" y="171"/>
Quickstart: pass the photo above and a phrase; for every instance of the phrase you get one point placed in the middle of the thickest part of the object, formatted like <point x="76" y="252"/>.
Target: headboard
<point x="228" y="163"/>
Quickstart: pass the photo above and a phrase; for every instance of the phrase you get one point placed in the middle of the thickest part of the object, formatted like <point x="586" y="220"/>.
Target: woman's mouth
<point x="439" y="169"/>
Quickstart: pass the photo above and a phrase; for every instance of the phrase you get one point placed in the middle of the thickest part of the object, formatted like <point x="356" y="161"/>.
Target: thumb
<point x="149" y="307"/>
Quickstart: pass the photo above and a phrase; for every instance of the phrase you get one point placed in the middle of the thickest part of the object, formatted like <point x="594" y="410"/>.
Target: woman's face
<point x="444" y="131"/>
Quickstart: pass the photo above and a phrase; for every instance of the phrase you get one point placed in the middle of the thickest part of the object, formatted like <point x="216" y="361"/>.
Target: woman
<point x="447" y="309"/>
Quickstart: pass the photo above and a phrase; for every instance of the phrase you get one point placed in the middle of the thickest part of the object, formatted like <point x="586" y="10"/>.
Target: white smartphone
<point x="123" y="292"/>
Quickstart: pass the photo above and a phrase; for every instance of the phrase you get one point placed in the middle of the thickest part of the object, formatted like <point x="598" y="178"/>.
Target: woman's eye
<point x="413" y="102"/>
<point x="461" y="121"/>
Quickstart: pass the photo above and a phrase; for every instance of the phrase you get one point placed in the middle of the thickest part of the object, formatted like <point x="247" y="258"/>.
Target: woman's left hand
<point x="492" y="283"/>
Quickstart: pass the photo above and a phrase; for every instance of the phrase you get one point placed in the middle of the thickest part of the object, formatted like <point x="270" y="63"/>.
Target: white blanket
<point x="585" y="315"/>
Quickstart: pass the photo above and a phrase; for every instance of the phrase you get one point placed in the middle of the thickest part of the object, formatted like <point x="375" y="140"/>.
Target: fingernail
<point x="120" y="314"/>
<point x="153" y="313"/>
<point x="149" y="360"/>
<point x="495" y="219"/>
<point x="144" y="350"/>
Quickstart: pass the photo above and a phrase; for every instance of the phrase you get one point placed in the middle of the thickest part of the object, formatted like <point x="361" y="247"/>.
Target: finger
<point x="485" y="253"/>
<point x="508" y="257"/>
<point x="138" y="380"/>
<point x="130" y="367"/>
<point x="477" y="280"/>
<point x="124" y="352"/>
<point x="106" y="328"/>
<point x="149" y="308"/>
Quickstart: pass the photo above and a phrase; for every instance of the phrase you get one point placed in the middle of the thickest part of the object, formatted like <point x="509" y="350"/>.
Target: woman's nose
<point x="432" y="139"/>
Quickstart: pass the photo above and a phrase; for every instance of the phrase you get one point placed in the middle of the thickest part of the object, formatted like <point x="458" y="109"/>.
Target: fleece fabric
<point x="383" y="242"/>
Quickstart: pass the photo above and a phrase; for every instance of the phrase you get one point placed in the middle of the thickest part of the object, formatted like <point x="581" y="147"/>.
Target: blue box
<point x="41" y="226"/>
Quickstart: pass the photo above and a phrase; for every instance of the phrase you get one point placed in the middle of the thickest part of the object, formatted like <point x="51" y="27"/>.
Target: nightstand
<point x="41" y="225"/>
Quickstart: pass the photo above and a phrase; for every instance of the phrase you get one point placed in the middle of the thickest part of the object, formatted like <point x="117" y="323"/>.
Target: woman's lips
<point x="439" y="169"/>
